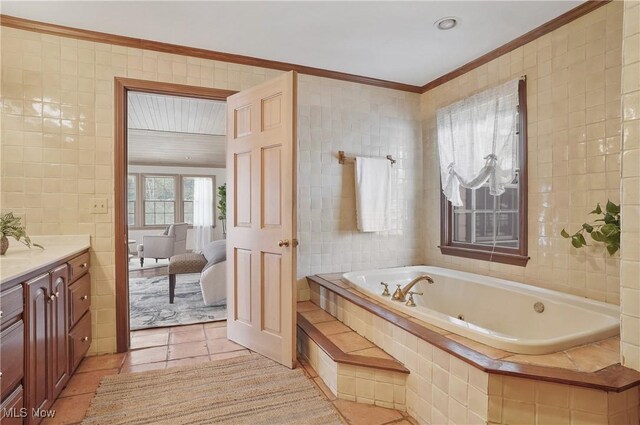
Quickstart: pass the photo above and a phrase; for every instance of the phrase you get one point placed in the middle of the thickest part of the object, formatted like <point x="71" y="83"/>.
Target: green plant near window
<point x="10" y="227"/>
<point x="222" y="207"/>
<point x="605" y="229"/>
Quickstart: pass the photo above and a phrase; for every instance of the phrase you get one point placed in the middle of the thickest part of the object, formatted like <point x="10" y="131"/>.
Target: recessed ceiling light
<point x="446" y="23"/>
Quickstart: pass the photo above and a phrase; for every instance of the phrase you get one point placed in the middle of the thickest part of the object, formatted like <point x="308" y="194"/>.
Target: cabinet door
<point x="59" y="327"/>
<point x="39" y="362"/>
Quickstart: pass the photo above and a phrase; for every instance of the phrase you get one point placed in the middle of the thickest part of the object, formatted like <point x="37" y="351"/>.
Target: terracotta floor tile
<point x="187" y="336"/>
<point x="372" y="352"/>
<point x="215" y="324"/>
<point x="184" y="328"/>
<point x="146" y="355"/>
<point x="332" y="328"/>
<point x="188" y="349"/>
<point x="216" y="333"/>
<point x="317" y="316"/>
<point x="151" y="331"/>
<point x="323" y="387"/>
<point x="612" y="344"/>
<point x="86" y="383"/>
<point x="188" y="361"/>
<point x="494" y="353"/>
<point x="366" y="414"/>
<point x="107" y="361"/>
<point x="223" y="346"/>
<point x="350" y="341"/>
<point x="143" y="367"/>
<point x="69" y="410"/>
<point x="306" y="306"/>
<point x="592" y="357"/>
<point x="151" y="340"/>
<point x="561" y="360"/>
<point x="229" y="354"/>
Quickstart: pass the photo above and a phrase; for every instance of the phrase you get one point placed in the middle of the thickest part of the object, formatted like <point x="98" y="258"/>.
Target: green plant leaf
<point x="564" y="234"/>
<point x="581" y="238"/>
<point x="575" y="242"/>
<point x="612" y="208"/>
<point x="609" y="230"/>
<point x="597" y="236"/>
<point x="587" y="227"/>
<point x="598" y="209"/>
<point x="612" y="249"/>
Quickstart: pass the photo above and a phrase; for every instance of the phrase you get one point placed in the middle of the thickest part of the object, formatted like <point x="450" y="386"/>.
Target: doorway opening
<point x="170" y="181"/>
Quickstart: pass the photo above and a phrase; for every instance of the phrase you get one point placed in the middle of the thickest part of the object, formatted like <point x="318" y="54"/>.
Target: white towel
<point x="372" y="194"/>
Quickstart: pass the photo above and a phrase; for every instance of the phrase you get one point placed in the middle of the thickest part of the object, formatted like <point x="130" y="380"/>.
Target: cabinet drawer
<point x="79" y="299"/>
<point x="80" y="340"/>
<point x="79" y="266"/>
<point x="11" y="303"/>
<point x="12" y="355"/>
<point x="11" y="410"/>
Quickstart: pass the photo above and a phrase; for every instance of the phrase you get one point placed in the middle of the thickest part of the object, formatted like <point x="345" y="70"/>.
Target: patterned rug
<point x="149" y="303"/>
<point x="251" y="390"/>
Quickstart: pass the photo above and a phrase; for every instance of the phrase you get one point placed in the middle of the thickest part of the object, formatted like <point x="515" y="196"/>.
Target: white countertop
<point x="20" y="260"/>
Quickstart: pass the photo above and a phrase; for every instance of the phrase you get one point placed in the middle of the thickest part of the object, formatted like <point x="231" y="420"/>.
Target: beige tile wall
<point x="573" y="101"/>
<point x="630" y="252"/>
<point x="360" y="120"/>
<point x="57" y="138"/>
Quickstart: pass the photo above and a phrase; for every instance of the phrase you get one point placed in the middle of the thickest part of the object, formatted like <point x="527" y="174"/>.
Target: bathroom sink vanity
<point x="45" y="324"/>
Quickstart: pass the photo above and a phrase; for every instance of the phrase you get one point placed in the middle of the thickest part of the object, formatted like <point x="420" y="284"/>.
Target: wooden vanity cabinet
<point x="38" y="337"/>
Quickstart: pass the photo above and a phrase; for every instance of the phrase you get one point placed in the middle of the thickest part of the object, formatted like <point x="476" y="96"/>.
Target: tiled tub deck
<point x="455" y="380"/>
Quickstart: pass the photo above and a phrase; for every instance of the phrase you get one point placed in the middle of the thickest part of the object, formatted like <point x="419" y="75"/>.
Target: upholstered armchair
<point x="173" y="241"/>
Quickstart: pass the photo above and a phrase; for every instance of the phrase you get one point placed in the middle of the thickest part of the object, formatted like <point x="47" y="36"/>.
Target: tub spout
<point x="400" y="294"/>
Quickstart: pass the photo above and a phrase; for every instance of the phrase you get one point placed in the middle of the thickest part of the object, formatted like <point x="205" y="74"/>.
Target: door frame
<point x="122" y="86"/>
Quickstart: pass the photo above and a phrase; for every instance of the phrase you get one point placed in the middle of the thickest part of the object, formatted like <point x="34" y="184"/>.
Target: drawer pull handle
<point x="52" y="297"/>
<point x="59" y="281"/>
<point x="83" y="265"/>
<point x="0" y="313"/>
<point x="85" y="339"/>
<point x="84" y="297"/>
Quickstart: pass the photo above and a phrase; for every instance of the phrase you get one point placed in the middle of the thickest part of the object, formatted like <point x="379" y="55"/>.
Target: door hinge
<point x="295" y="242"/>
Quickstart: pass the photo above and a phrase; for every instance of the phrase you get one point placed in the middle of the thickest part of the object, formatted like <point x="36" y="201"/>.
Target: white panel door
<point x="261" y="215"/>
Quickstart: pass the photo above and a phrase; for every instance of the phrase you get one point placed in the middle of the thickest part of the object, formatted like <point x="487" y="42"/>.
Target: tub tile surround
<point x="441" y="388"/>
<point x="630" y="252"/>
<point x="574" y="116"/>
<point x="360" y="120"/>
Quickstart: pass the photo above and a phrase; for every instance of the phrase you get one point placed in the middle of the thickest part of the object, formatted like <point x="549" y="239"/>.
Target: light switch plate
<point x="99" y="206"/>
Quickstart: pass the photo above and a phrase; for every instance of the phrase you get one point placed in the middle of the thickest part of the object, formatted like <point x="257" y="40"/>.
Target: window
<point x="132" y="194"/>
<point x="155" y="200"/>
<point x="487" y="227"/>
<point x="159" y="200"/>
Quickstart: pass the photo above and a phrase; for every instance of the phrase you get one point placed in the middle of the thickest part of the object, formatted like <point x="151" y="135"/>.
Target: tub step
<point x="351" y="366"/>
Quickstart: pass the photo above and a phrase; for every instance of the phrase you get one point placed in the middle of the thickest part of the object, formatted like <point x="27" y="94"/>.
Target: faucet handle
<point x="410" y="301"/>
<point x="385" y="292"/>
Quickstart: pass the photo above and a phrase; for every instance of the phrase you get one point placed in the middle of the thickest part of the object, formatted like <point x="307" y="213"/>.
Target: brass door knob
<point x="284" y="242"/>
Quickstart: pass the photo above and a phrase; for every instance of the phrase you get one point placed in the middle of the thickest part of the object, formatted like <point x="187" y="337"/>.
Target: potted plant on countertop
<point x="605" y="229"/>
<point x="222" y="207"/>
<point x="10" y="226"/>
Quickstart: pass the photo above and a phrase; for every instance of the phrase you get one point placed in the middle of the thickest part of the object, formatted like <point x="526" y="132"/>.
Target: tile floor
<point x="182" y="345"/>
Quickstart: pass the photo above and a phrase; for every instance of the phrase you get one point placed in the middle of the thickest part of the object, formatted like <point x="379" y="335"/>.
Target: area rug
<point x="149" y="303"/>
<point x="242" y="390"/>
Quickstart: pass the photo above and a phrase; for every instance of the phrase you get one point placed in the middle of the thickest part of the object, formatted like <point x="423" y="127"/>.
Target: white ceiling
<point x="175" y="131"/>
<point x="391" y="40"/>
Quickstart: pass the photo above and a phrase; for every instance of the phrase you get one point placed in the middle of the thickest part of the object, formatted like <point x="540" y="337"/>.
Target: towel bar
<point x="342" y="158"/>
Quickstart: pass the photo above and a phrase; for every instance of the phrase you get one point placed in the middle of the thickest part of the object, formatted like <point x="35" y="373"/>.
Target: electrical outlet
<point x="99" y="206"/>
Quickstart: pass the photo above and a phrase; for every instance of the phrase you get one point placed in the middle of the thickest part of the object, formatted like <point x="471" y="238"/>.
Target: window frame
<point x="178" y="209"/>
<point x="514" y="256"/>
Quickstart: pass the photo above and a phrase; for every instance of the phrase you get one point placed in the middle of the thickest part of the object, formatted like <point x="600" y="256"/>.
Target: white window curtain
<point x="477" y="141"/>
<point x="202" y="212"/>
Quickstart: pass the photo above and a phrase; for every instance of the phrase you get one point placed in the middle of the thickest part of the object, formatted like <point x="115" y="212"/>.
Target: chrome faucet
<point x="400" y="294"/>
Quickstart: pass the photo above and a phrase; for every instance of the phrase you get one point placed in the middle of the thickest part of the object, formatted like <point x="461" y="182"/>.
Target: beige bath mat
<point x="242" y="390"/>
